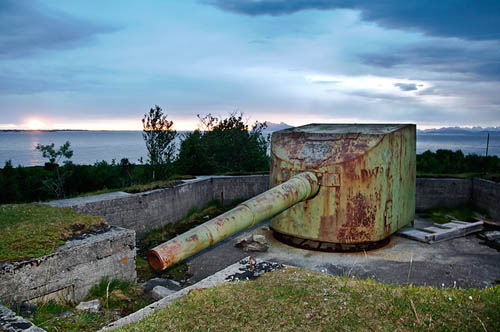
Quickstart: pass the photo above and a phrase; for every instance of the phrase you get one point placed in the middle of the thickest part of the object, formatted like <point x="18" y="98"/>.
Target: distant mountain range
<point x="462" y="131"/>
<point x="272" y="127"/>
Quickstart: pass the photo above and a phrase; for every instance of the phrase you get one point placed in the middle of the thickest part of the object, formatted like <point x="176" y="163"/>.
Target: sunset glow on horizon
<point x="35" y="124"/>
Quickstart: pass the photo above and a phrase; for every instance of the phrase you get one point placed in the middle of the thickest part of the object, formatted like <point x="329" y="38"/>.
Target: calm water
<point x="92" y="146"/>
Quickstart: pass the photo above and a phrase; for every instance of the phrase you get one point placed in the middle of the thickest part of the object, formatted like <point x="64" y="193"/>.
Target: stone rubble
<point x="253" y="243"/>
<point x="92" y="306"/>
<point x="10" y="322"/>
<point x="159" y="292"/>
<point x="491" y="235"/>
<point x="168" y="283"/>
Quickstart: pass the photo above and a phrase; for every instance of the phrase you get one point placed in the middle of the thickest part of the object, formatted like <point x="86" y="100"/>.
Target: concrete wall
<point x="145" y="211"/>
<point x="482" y="194"/>
<point x="486" y="196"/>
<point x="70" y="272"/>
<point x="228" y="189"/>
<point x="443" y="192"/>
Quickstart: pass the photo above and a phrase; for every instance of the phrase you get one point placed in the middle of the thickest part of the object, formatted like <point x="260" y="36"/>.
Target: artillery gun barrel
<point x="277" y="199"/>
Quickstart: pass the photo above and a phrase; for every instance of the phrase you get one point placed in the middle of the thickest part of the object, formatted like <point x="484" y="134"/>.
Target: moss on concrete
<point x="32" y="230"/>
<point x="445" y="215"/>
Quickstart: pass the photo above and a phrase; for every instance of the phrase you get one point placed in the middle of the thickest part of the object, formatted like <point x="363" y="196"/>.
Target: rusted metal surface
<point x="329" y="246"/>
<point x="296" y="189"/>
<point x="367" y="176"/>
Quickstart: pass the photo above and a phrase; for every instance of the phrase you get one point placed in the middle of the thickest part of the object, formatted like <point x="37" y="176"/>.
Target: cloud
<point x="406" y="86"/>
<point x="27" y="27"/>
<point x="472" y="60"/>
<point x="476" y="20"/>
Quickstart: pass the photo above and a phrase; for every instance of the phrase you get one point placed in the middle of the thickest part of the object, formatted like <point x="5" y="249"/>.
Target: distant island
<point x="462" y="131"/>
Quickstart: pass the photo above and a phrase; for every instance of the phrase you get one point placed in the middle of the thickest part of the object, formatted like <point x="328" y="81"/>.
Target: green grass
<point x="298" y="300"/>
<point x="445" y="215"/>
<point x="173" y="181"/>
<point x="31" y="230"/>
<point x="114" y="296"/>
<point x="152" y="185"/>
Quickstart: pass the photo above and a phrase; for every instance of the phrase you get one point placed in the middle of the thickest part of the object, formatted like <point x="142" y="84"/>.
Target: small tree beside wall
<point x="159" y="135"/>
<point x="55" y="183"/>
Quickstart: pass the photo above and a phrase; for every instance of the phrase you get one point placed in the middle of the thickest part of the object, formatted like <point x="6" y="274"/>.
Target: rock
<point x="253" y="243"/>
<point x="259" y="239"/>
<point x="92" y="306"/>
<point x="492" y="235"/>
<point x="168" y="283"/>
<point x="244" y="241"/>
<point x="256" y="247"/>
<point x="159" y="292"/>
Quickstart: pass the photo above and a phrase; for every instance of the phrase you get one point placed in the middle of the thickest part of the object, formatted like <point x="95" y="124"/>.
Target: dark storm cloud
<point x="476" y="20"/>
<point x="406" y="86"/>
<point x="478" y="62"/>
<point x="28" y="26"/>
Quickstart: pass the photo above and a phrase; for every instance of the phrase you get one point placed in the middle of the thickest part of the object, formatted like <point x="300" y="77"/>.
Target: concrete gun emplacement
<point x="334" y="187"/>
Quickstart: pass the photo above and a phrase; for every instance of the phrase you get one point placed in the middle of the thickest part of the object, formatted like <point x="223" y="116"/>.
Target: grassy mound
<point x="31" y="230"/>
<point x="298" y="300"/>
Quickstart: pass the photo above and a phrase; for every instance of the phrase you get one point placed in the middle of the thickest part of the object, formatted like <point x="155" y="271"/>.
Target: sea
<point x="90" y="147"/>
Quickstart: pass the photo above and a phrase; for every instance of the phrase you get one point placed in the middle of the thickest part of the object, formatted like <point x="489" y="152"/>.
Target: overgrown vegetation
<point x="444" y="215"/>
<point x="293" y="299"/>
<point x="117" y="299"/>
<point x="157" y="236"/>
<point x="26" y="184"/>
<point x="31" y="230"/>
<point x="455" y="162"/>
<point x="152" y="185"/>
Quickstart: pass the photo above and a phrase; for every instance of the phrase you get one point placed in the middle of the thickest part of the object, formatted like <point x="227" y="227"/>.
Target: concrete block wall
<point x="486" y="196"/>
<point x="228" y="189"/>
<point x="70" y="272"/>
<point x="442" y="192"/>
<point x="447" y="192"/>
<point x="145" y="211"/>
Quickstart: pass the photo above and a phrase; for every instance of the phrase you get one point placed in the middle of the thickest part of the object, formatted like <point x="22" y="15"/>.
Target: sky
<point x="103" y="64"/>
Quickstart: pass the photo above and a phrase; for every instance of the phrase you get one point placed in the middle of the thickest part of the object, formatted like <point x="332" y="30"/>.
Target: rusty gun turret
<point x="336" y="187"/>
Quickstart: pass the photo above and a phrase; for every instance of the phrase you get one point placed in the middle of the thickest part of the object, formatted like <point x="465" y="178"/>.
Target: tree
<point x="56" y="182"/>
<point x="224" y="145"/>
<point x="159" y="135"/>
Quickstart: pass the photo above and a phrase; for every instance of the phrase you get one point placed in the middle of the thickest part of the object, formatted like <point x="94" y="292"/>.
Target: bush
<point x="454" y="162"/>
